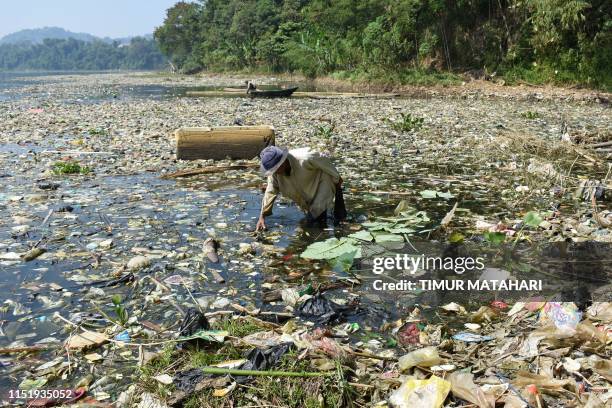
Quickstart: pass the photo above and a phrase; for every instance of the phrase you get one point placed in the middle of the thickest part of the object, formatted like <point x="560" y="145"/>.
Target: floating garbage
<point x="471" y="337"/>
<point x="429" y="393"/>
<point x="424" y="357"/>
<point x="109" y="248"/>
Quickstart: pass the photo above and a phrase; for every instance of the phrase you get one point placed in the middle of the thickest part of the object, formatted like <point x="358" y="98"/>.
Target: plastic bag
<point x="193" y="322"/>
<point x="260" y="359"/>
<point x="413" y="393"/>
<point x="409" y="333"/>
<point x="210" y="248"/>
<point x="564" y="315"/>
<point x="320" y="310"/>
<point x="471" y="337"/>
<point x="544" y="383"/>
<point x="462" y="386"/>
<point x="425" y="357"/>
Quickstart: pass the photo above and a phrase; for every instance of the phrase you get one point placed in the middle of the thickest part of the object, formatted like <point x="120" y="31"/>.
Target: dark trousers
<point x="339" y="210"/>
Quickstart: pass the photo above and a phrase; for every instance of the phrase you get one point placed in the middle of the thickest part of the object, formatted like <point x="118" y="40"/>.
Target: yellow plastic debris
<point x="429" y="393"/>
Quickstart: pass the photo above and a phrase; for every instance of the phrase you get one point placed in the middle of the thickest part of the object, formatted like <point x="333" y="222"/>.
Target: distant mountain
<point x="37" y="35"/>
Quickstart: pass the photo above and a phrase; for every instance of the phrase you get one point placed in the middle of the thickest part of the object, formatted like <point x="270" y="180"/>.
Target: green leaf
<point x="362" y="235"/>
<point x="382" y="238"/>
<point x="116" y="299"/>
<point x="434" y="194"/>
<point x="344" y="262"/>
<point x="331" y="248"/>
<point x="446" y="195"/>
<point x="456" y="238"/>
<point x="28" y="384"/>
<point x="429" y="193"/>
<point x="376" y="226"/>
<point x="533" y="219"/>
<point x="495" y="238"/>
<point x="400" y="230"/>
<point x="402" y="207"/>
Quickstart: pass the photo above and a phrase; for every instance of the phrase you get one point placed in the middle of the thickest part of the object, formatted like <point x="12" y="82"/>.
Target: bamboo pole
<point x="209" y="170"/>
<point x="235" y="371"/>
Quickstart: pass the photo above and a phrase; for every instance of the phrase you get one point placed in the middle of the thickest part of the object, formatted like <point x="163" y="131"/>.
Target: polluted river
<point x="102" y="246"/>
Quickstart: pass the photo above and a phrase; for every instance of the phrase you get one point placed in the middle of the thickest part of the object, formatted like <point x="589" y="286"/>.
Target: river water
<point x="91" y="225"/>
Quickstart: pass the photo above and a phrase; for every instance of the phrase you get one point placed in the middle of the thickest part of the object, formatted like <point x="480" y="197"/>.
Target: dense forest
<point x="72" y="54"/>
<point x="562" y="41"/>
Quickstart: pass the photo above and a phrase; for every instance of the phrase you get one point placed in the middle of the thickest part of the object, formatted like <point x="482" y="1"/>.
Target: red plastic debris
<point x="499" y="304"/>
<point x="408" y="334"/>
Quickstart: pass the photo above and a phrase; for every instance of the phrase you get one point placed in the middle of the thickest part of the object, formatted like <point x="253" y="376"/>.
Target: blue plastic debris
<point x="471" y="337"/>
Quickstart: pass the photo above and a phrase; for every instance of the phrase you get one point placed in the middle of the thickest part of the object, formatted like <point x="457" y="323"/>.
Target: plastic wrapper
<point x="564" y="315"/>
<point x="425" y="357"/>
<point x="462" y="386"/>
<point x="413" y="393"/>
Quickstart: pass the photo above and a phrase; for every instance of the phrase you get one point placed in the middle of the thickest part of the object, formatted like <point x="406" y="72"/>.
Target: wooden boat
<point x="272" y="93"/>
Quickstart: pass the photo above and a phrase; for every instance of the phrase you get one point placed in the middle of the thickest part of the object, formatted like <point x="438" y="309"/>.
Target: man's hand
<point x="261" y="225"/>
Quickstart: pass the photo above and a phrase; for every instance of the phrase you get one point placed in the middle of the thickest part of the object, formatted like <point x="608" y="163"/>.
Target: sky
<point x="102" y="18"/>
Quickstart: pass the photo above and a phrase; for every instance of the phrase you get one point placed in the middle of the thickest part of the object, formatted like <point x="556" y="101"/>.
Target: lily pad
<point x="382" y="238"/>
<point x="434" y="194"/>
<point x="331" y="248"/>
<point x="362" y="235"/>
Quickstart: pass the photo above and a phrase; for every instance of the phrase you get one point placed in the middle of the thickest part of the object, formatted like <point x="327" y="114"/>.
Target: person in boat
<point x="306" y="177"/>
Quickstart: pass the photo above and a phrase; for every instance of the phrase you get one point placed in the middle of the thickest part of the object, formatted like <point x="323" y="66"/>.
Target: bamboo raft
<point x="234" y="142"/>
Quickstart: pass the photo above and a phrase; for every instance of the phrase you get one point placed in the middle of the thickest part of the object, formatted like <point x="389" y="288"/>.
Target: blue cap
<point x="271" y="159"/>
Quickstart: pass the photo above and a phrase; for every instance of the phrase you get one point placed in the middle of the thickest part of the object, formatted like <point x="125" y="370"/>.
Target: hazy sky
<point x="103" y="18"/>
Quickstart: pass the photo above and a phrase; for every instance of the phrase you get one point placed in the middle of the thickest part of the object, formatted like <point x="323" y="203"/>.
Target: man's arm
<point x="267" y="202"/>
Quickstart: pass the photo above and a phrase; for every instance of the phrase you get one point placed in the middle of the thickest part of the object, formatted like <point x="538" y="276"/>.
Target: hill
<point x="37" y="35"/>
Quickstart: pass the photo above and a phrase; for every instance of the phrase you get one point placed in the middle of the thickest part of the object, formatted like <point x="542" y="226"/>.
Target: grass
<point x="283" y="392"/>
<point x="237" y="327"/>
<point x="332" y="391"/>
<point x="545" y="74"/>
<point x="406" y="123"/>
<point x="530" y="115"/>
<point x="98" y="132"/>
<point x="400" y="76"/>
<point x="69" y="167"/>
<point x="325" y="132"/>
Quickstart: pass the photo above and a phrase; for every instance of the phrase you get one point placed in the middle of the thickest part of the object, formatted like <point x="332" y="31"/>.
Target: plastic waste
<point x="564" y="315"/>
<point x="320" y="310"/>
<point x="124" y="336"/>
<point x="462" y="386"/>
<point x="484" y="314"/>
<point x="192" y="322"/>
<point x="413" y="393"/>
<point x="471" y="337"/>
<point x="188" y="379"/>
<point x="210" y="250"/>
<point x="425" y="357"/>
<point x="264" y="359"/>
<point x="409" y="333"/>
<point x="543" y="382"/>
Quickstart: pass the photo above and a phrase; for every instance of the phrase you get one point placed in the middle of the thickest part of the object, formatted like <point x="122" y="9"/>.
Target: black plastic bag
<point x="263" y="359"/>
<point x="319" y="310"/>
<point x="187" y="380"/>
<point x="193" y="322"/>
